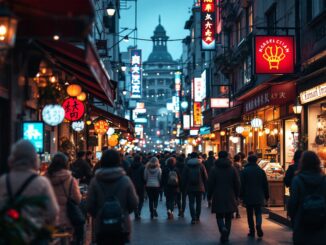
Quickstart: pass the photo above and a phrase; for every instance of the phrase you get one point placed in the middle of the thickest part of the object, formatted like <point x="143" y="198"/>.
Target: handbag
<point x="74" y="212"/>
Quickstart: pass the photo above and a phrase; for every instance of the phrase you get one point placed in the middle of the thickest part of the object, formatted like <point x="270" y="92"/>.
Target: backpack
<point x="111" y="214"/>
<point x="194" y="175"/>
<point x="12" y="196"/>
<point x="313" y="209"/>
<point x="173" y="179"/>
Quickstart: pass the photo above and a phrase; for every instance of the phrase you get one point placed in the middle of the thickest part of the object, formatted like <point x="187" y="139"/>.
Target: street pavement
<point x="180" y="232"/>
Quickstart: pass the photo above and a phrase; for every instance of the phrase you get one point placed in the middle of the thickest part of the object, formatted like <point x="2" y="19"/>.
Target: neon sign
<point x="136" y="73"/>
<point x="208" y="25"/>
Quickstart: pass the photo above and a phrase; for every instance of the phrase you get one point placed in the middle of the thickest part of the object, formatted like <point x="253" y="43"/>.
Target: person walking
<point x="194" y="177"/>
<point x="292" y="169"/>
<point x="152" y="176"/>
<point x="254" y="193"/>
<point x="81" y="169"/>
<point x="238" y="166"/>
<point x="223" y="190"/>
<point x="65" y="186"/>
<point x="181" y="198"/>
<point x="136" y="174"/>
<point x="23" y="178"/>
<point x="171" y="185"/>
<point x="307" y="208"/>
<point x="111" y="198"/>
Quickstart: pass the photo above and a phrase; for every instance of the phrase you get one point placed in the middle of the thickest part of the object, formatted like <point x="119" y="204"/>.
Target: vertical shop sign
<point x="208" y="24"/>
<point x="136" y="73"/>
<point x="197" y="114"/>
<point x="34" y="132"/>
<point x="186" y="122"/>
<point x="198" y="87"/>
<point x="177" y="80"/>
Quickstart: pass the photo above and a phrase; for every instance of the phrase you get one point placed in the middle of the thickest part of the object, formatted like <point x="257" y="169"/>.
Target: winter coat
<point x="168" y="189"/>
<point x="193" y="165"/>
<point x="81" y="170"/>
<point x="180" y="166"/>
<point x="254" y="185"/>
<point x="290" y="173"/>
<point x="152" y="176"/>
<point x="106" y="181"/>
<point x="40" y="186"/>
<point x="61" y="184"/>
<point x="223" y="187"/>
<point x="311" y="182"/>
<point x="136" y="174"/>
<point x="209" y="164"/>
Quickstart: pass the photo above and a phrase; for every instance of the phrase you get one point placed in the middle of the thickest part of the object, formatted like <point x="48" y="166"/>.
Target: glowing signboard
<point x="197" y="115"/>
<point x="136" y="73"/>
<point x="34" y="132"/>
<point x="198" y="87"/>
<point x="186" y="122"/>
<point x="208" y="25"/>
<point x="274" y="54"/>
<point x="53" y="115"/>
<point x="74" y="109"/>
<point x="101" y="126"/>
<point x="220" y="102"/>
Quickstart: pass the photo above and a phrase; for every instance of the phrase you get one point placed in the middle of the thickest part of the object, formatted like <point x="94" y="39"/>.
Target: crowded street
<point x="162" y="122"/>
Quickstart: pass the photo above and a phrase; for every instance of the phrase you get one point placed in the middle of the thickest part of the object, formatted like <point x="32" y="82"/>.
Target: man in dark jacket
<point x="290" y="172"/>
<point x="111" y="181"/>
<point x="223" y="190"/>
<point x="181" y="198"/>
<point x="254" y="193"/>
<point x="209" y="163"/>
<point x="136" y="174"/>
<point x="81" y="169"/>
<point x="194" y="177"/>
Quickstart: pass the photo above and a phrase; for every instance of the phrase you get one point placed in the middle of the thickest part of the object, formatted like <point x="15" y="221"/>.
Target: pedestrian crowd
<point x="118" y="185"/>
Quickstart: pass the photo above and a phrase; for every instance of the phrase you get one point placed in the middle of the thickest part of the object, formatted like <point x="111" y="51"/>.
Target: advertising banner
<point x="208" y="24"/>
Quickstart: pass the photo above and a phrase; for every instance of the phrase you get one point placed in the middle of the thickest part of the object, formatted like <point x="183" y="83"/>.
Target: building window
<point x="250" y="20"/>
<point x="314" y="8"/>
<point x="247" y="70"/>
<point x="271" y="20"/>
<point x="238" y="31"/>
<point x="151" y="82"/>
<point x="160" y="82"/>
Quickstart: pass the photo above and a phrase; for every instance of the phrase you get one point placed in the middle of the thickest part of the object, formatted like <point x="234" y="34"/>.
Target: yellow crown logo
<point x="274" y="55"/>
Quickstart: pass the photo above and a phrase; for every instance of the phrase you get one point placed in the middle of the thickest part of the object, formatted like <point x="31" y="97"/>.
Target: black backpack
<point x="111" y="214"/>
<point x="173" y="179"/>
<point x="194" y="175"/>
<point x="26" y="183"/>
<point x="313" y="209"/>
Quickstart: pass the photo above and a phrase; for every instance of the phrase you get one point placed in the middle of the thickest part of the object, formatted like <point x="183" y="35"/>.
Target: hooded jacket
<point x="105" y="182"/>
<point x="152" y="175"/>
<point x="191" y="165"/>
<point x="223" y="187"/>
<point x="306" y="182"/>
<point x="61" y="183"/>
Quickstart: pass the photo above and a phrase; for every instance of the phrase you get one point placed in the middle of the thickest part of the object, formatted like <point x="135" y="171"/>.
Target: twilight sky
<point x="174" y="14"/>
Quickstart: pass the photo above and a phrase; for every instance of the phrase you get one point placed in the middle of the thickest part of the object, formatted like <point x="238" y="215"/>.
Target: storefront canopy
<point x="42" y="19"/>
<point x="120" y="122"/>
<point x="84" y="65"/>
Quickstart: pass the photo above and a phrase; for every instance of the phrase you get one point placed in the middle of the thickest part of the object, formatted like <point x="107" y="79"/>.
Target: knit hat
<point x="23" y="155"/>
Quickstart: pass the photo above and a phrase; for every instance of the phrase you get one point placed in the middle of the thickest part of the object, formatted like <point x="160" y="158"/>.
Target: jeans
<point x="140" y="194"/>
<point x="195" y="197"/>
<point x="250" y="216"/>
<point x="153" y="193"/>
<point x="181" y="201"/>
<point x="171" y="198"/>
<point x="224" y="220"/>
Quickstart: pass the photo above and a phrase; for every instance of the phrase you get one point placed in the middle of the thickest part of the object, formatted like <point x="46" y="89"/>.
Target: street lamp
<point x="126" y="38"/>
<point x="110" y="9"/>
<point x="8" y="27"/>
<point x="297" y="108"/>
<point x="123" y="67"/>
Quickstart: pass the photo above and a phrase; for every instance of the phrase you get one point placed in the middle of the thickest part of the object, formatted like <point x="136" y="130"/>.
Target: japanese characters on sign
<point x="136" y="73"/>
<point x="312" y="94"/>
<point x="208" y="25"/>
<point x="274" y="54"/>
<point x="198" y="87"/>
<point x="177" y="80"/>
<point x="34" y="132"/>
<point x="186" y="122"/>
<point x="53" y="115"/>
<point x="197" y="115"/>
<point x="74" y="109"/>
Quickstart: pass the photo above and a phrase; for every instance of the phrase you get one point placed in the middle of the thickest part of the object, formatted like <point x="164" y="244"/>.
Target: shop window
<point x="238" y="31"/>
<point x="271" y="20"/>
<point x="314" y="8"/>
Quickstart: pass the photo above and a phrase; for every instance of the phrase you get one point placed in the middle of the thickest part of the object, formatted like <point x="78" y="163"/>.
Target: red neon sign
<point x="274" y="54"/>
<point x="208" y="25"/>
<point x="74" y="109"/>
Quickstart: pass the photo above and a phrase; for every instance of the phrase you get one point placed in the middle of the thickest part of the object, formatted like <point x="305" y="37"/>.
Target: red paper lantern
<point x="74" y="109"/>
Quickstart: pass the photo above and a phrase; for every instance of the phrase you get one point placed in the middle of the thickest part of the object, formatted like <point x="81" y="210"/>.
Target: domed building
<point x="158" y="86"/>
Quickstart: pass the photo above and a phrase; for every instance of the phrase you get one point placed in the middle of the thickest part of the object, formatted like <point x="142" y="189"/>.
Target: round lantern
<point x="113" y="141"/>
<point x="245" y="132"/>
<point x="74" y="109"/>
<point x="234" y="140"/>
<point x="260" y="133"/>
<point x="267" y="130"/>
<point x="101" y="127"/>
<point x="256" y="122"/>
<point x="250" y="134"/>
<point x="78" y="126"/>
<point x="275" y="131"/>
<point x="53" y="115"/>
<point x="239" y="129"/>
<point x="82" y="96"/>
<point x="222" y="133"/>
<point x="74" y="90"/>
<point x="110" y="131"/>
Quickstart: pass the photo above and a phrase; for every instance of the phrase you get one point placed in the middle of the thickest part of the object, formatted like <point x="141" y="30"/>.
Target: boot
<point x="251" y="233"/>
<point x="260" y="232"/>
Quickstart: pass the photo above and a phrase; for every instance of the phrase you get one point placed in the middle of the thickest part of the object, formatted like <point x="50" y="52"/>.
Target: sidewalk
<point x="179" y="231"/>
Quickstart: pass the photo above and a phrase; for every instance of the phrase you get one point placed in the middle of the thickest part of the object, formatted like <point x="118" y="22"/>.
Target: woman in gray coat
<point x="223" y="190"/>
<point x="309" y="180"/>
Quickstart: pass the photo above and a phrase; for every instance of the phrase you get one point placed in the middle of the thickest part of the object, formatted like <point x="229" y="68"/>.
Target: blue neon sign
<point x="34" y="132"/>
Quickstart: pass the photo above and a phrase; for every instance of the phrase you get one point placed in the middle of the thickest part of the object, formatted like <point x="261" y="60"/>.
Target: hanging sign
<point x="101" y="127"/>
<point x="53" y="115"/>
<point x="136" y="73"/>
<point x="74" y="109"/>
<point x="314" y="93"/>
<point x="274" y="54"/>
<point x="220" y="102"/>
<point x="186" y="122"/>
<point x="78" y="126"/>
<point x="208" y="24"/>
<point x="197" y="115"/>
<point x="34" y="132"/>
<point x="198" y="87"/>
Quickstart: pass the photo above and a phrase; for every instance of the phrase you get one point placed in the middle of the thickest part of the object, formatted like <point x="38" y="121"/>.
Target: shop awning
<point x="85" y="66"/>
<point x="231" y="114"/>
<point x="120" y="122"/>
<point x="42" y="19"/>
